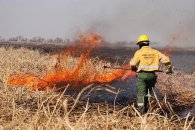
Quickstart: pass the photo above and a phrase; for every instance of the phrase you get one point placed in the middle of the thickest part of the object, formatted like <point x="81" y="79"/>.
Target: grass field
<point x="22" y="108"/>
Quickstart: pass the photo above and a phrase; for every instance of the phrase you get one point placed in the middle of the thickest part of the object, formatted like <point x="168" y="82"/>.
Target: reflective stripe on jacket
<point x="148" y="59"/>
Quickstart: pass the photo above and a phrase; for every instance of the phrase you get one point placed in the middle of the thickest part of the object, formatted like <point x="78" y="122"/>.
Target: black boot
<point x="146" y="105"/>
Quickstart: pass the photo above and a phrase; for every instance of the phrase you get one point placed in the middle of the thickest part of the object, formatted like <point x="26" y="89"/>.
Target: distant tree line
<point x="35" y="39"/>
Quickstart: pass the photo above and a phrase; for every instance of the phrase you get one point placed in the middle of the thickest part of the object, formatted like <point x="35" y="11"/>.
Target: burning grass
<point x="24" y="109"/>
<point x="78" y="72"/>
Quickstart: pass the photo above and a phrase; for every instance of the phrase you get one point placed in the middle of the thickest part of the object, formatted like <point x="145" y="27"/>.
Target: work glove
<point x="169" y="70"/>
<point x="134" y="69"/>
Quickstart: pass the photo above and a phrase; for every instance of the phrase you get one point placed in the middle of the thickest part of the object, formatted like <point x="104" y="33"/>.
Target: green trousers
<point x="145" y="81"/>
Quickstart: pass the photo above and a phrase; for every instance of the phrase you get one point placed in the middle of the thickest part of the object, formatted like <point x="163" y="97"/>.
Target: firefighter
<point x="146" y="62"/>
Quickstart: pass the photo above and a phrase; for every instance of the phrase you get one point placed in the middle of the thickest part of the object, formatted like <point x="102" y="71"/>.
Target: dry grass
<point x="13" y="61"/>
<point x="178" y="89"/>
<point x="24" y="109"/>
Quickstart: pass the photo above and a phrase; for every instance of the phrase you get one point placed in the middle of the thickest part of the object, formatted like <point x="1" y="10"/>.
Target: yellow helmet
<point x="143" y="38"/>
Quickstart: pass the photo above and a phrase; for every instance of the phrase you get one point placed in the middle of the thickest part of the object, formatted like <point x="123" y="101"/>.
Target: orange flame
<point x="75" y="77"/>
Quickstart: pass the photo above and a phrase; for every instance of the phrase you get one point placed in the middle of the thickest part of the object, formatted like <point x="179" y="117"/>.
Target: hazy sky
<point x="116" y="20"/>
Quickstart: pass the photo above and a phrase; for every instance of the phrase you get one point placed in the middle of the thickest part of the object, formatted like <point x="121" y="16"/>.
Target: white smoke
<point x="116" y="20"/>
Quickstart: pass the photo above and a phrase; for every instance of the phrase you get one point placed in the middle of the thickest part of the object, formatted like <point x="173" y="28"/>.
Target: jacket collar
<point x="145" y="47"/>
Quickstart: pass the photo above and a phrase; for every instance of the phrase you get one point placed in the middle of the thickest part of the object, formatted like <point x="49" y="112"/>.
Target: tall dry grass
<point x="178" y="89"/>
<point x="24" y="109"/>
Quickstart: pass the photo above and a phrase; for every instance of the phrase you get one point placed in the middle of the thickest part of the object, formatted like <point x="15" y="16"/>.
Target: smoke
<point x="116" y="20"/>
<point x="126" y="20"/>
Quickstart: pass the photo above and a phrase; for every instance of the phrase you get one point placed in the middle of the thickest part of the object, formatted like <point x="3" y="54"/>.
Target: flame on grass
<point x="178" y="36"/>
<point x="170" y="47"/>
<point x="59" y="77"/>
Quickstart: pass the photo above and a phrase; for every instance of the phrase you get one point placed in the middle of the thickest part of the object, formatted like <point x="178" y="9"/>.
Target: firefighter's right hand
<point x="169" y="70"/>
<point x="134" y="69"/>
